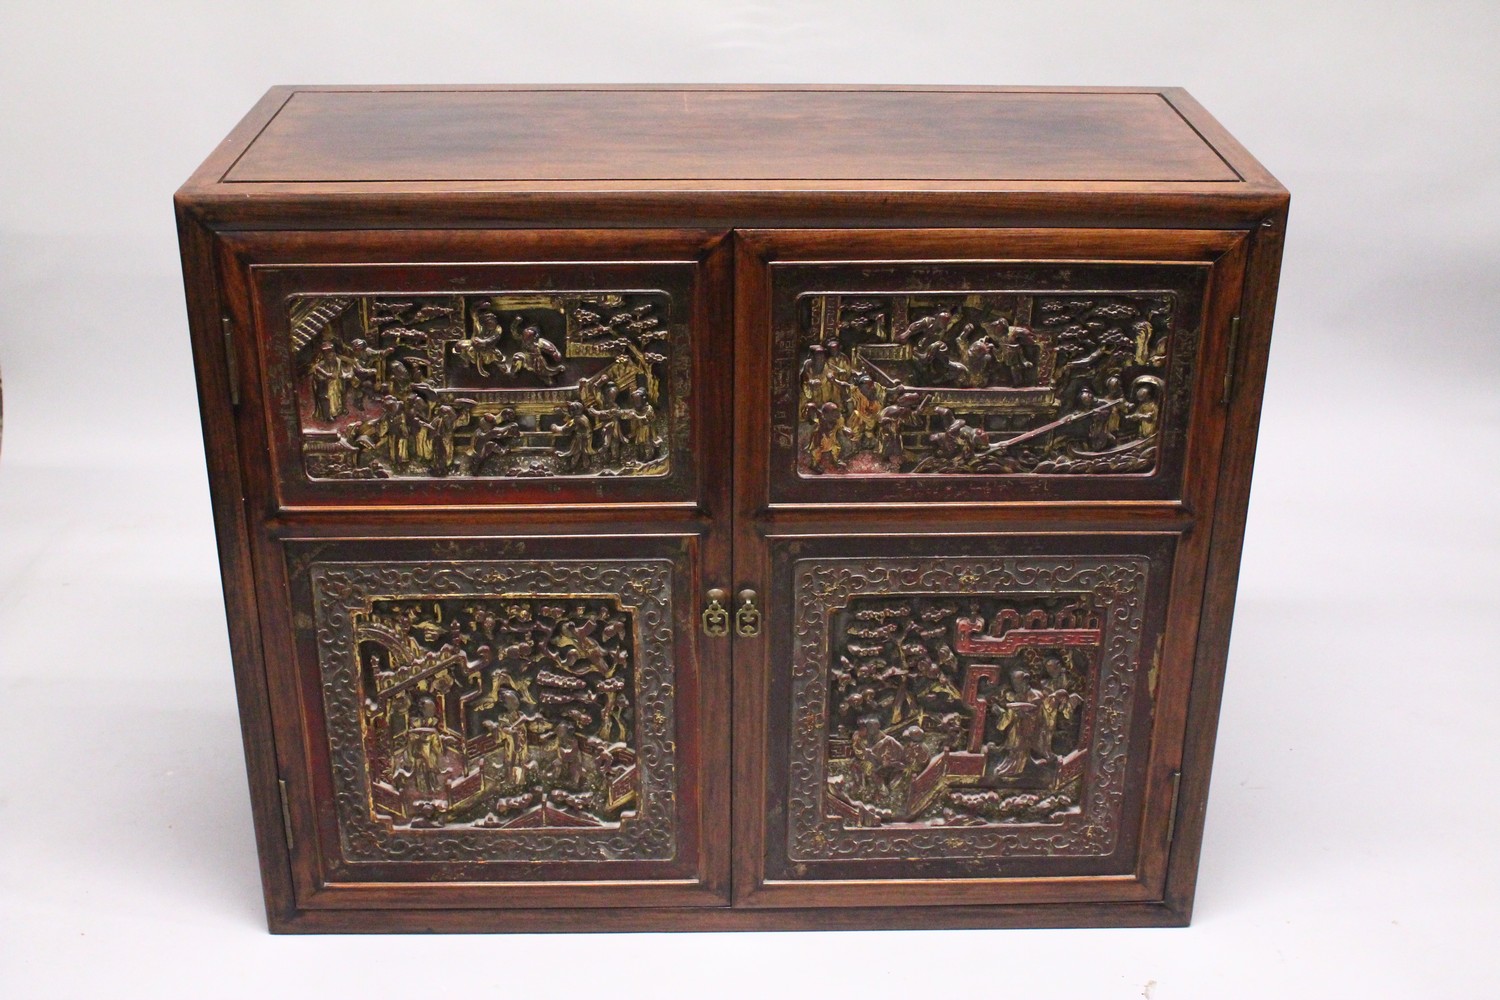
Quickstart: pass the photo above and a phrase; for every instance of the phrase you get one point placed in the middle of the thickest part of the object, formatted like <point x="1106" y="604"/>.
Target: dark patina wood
<point x="949" y="396"/>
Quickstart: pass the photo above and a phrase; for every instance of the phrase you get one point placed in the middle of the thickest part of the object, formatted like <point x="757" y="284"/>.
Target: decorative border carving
<point x="822" y="586"/>
<point x="341" y="589"/>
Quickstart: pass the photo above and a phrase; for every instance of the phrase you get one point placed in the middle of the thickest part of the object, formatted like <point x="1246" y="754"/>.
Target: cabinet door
<point x="963" y="718"/>
<point x="974" y="474"/>
<point x="483" y="505"/>
<point x="513" y="721"/>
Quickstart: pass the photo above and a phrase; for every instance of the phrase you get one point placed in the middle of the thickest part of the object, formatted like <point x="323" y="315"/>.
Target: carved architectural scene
<point x="953" y="709"/>
<point x="945" y="706"/>
<point x="981" y="382"/>
<point x="483" y="703"/>
<point x="489" y="386"/>
<point x="515" y="712"/>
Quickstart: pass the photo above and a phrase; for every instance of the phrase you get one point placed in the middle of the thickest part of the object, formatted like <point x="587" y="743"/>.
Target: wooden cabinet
<point x="719" y="508"/>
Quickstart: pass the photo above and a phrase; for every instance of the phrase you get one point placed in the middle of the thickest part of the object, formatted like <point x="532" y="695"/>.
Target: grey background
<point x="1351" y="828"/>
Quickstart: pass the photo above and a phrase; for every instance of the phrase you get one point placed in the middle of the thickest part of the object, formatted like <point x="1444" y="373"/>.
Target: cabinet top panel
<point x="726" y="135"/>
<point x="904" y="147"/>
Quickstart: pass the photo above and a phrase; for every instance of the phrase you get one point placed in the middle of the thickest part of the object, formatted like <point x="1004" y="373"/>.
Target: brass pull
<point x="747" y="618"/>
<point x="715" y="618"/>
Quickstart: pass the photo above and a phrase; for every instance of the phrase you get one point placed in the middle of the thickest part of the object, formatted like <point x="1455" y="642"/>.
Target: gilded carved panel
<point x="488" y="386"/>
<point x="981" y="383"/>
<point x="962" y="708"/>
<point x="507" y="710"/>
<point x="949" y="380"/>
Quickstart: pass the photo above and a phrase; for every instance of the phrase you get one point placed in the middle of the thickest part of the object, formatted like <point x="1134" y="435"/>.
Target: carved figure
<point x="1144" y="413"/>
<point x="640" y="426"/>
<point x="606" y="418"/>
<point x="879" y="759"/>
<point x="483" y="349"/>
<point x="537" y="355"/>
<point x="576" y="436"/>
<point x="894" y="419"/>
<point x="819" y="381"/>
<point x="1058" y="704"/>
<point x="977" y="354"/>
<point x="495" y="435"/>
<point x="1013" y="356"/>
<point x="924" y="333"/>
<point x="826" y="448"/>
<point x="1019" y="719"/>
<point x="330" y="375"/>
<point x="865" y="405"/>
<point x="939" y="368"/>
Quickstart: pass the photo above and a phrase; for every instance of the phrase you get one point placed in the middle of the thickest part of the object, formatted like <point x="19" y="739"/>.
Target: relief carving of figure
<point x="826" y="446"/>
<point x="1059" y="703"/>
<point x="640" y="426"/>
<point x="880" y="760"/>
<point x="537" y="355"/>
<point x="1018" y="717"/>
<point x="331" y="376"/>
<point x="575" y="437"/>
<point x="495" y="435"/>
<point x="866" y="403"/>
<point x="1144" y="413"/>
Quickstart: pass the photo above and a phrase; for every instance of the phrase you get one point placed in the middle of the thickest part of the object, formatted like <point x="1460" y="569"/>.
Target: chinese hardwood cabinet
<point x="713" y="508"/>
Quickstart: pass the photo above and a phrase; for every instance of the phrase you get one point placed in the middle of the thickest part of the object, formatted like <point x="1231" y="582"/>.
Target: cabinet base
<point x="651" y="919"/>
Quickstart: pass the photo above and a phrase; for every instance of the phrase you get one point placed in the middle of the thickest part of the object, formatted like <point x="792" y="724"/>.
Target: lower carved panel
<point x="963" y="708"/>
<point x="507" y="710"/>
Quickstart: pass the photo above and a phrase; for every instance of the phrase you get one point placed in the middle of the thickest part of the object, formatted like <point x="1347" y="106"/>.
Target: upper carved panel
<point x="492" y="386"/>
<point x="981" y="383"/>
<point x="509" y="710"/>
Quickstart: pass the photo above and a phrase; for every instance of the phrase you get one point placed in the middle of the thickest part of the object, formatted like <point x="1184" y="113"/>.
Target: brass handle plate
<point x="715" y="617"/>
<point x="747" y="617"/>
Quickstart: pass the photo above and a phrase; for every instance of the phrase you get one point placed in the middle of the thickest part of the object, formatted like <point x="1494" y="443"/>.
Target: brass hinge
<point x="286" y="813"/>
<point x="1172" y="816"/>
<point x="1233" y="360"/>
<point x="232" y="366"/>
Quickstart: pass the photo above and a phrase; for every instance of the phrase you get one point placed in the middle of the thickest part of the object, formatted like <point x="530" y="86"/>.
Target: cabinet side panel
<point x="1257" y="309"/>
<point x="235" y="567"/>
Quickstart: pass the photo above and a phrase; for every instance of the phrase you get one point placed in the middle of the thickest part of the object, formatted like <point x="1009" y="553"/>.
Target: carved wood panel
<point x="964" y="711"/>
<point x="483" y="383"/>
<point x="1024" y="381"/>
<point x="502" y="385"/>
<point x="499" y="710"/>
